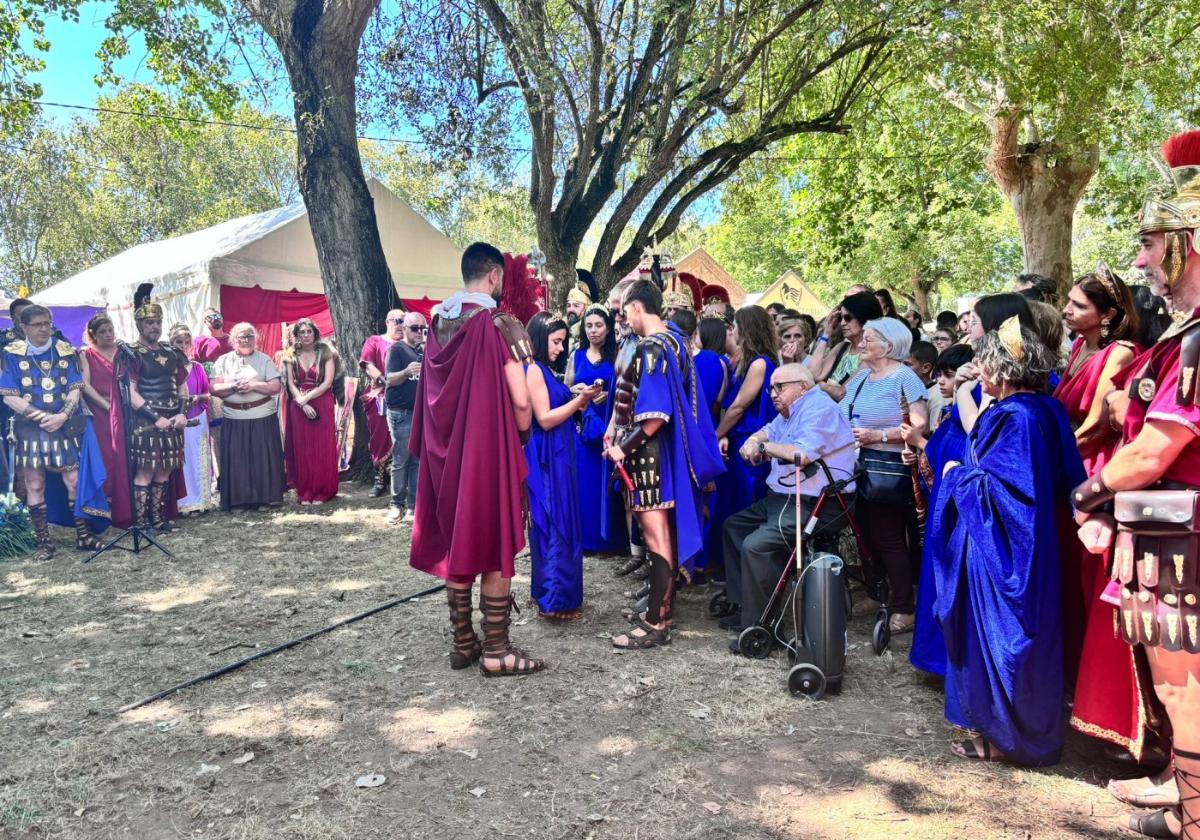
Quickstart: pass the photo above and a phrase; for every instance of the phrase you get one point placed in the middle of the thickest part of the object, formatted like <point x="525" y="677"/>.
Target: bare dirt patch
<point x="678" y="743"/>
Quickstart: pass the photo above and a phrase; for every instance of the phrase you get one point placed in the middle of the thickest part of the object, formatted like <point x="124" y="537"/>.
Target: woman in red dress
<point x="310" y="443"/>
<point x="98" y="386"/>
<point x="1108" y="705"/>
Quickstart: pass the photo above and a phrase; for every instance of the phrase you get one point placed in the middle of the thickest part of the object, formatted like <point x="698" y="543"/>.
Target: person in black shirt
<point x="403" y="370"/>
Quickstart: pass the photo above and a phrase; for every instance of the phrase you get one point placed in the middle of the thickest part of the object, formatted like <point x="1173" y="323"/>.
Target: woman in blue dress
<point x="998" y="519"/>
<point x="754" y="344"/>
<point x="948" y="443"/>
<point x="554" y="531"/>
<point x="600" y="511"/>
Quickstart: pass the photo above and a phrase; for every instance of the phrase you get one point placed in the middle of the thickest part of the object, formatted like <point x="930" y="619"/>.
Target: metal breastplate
<point x="157" y="368"/>
<point x="627" y="381"/>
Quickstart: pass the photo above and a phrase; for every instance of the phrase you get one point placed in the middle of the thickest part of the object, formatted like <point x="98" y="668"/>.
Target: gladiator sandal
<point x="467" y="649"/>
<point x="635" y="562"/>
<point x="44" y="549"/>
<point x="496" y="645"/>
<point x="85" y="540"/>
<point x="156" y="505"/>
<point x="141" y="505"/>
<point x="1187" y="776"/>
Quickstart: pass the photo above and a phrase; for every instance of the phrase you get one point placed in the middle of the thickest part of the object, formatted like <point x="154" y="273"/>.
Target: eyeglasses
<point x="777" y="387"/>
<point x="395" y="320"/>
<point x="942" y="339"/>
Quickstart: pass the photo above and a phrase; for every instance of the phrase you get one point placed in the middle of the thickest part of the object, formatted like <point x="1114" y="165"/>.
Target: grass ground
<point x="689" y="742"/>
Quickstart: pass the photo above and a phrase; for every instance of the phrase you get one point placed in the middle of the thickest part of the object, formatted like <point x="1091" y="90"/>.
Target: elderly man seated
<point x="760" y="539"/>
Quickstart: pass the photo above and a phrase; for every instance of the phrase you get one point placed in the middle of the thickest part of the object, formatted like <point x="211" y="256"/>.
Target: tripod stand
<point x="142" y="536"/>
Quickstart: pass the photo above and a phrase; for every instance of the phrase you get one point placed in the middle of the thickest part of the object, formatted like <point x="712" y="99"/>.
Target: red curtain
<point x="268" y="310"/>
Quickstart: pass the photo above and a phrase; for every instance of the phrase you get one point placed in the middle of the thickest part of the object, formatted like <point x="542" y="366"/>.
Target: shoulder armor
<point x="1188" y="392"/>
<point x="64" y="347"/>
<point x="515" y="336"/>
<point x="17" y="347"/>
<point x="653" y="355"/>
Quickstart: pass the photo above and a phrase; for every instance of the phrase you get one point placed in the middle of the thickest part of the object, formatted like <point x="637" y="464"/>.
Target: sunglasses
<point x="418" y="329"/>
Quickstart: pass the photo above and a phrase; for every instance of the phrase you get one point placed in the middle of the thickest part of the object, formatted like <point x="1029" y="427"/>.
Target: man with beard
<point x="471" y="418"/>
<point x="373" y="361"/>
<point x="157" y="394"/>
<point x="208" y="348"/>
<point x="1146" y="498"/>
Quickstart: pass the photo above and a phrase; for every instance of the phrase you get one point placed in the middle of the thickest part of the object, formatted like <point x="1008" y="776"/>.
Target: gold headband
<point x="1010" y="337"/>
<point x="1107" y="280"/>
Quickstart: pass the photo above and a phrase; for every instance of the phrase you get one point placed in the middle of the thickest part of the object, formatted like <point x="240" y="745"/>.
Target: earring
<point x="1104" y="329"/>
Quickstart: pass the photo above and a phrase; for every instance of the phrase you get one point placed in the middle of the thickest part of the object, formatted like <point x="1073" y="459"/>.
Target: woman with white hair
<point x="885" y="494"/>
<point x="1000" y="523"/>
<point x="251" y="458"/>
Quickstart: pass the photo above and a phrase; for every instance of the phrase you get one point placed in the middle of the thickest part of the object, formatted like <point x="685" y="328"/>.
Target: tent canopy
<point x="273" y="251"/>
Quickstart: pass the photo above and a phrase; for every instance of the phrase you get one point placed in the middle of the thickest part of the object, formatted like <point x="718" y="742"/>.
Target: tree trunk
<point x="921" y="287"/>
<point x="319" y="44"/>
<point x="1043" y="182"/>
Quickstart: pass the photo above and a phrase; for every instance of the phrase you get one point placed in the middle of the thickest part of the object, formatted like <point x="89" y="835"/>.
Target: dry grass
<point x="680" y="743"/>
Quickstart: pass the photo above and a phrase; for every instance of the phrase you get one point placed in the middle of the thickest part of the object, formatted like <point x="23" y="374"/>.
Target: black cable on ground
<point x="233" y="666"/>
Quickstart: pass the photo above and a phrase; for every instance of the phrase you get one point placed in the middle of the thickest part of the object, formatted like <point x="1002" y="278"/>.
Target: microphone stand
<point x="143" y="536"/>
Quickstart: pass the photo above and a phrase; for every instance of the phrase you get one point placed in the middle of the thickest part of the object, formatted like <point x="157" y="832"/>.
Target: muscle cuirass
<point x="627" y="376"/>
<point x="158" y="367"/>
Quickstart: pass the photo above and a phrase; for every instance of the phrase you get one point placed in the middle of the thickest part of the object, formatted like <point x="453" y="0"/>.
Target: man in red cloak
<point x="471" y="414"/>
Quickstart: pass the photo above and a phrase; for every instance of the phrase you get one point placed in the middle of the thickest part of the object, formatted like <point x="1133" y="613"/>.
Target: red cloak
<point x="469" y="515"/>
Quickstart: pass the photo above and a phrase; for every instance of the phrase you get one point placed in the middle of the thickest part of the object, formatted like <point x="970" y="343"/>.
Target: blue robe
<point x="747" y="484"/>
<point x="999" y="590"/>
<point x="687" y="443"/>
<point x="554" y="531"/>
<point x="600" y="512"/>
<point x="948" y="443"/>
<point x="713" y="371"/>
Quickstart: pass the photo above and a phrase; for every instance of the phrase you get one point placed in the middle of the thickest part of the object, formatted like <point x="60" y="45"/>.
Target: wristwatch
<point x="883" y="435"/>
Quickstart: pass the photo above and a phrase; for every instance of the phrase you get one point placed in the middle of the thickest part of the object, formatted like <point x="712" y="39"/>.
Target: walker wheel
<point x="880" y="636"/>
<point x="755" y="642"/>
<point x="806" y="680"/>
<point x="719" y="606"/>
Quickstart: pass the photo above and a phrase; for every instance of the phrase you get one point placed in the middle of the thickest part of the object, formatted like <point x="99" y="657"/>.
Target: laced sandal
<point x="511" y="661"/>
<point x="977" y="749"/>
<point x="44" y="547"/>
<point x="901" y="623"/>
<point x="157" y="506"/>
<point x="85" y="540"/>
<point x="650" y="637"/>
<point x="1187" y="779"/>
<point x="141" y="506"/>
<point x="467" y="648"/>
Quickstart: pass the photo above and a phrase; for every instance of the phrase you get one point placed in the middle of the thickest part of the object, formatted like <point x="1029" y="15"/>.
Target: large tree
<point x="73" y="195"/>
<point x="633" y="109"/>
<point x="1056" y="83"/>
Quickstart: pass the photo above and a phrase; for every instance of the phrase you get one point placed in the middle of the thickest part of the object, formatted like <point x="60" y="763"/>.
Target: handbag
<point x="883" y="478"/>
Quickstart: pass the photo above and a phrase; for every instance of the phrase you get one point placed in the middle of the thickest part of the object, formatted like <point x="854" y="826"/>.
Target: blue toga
<point x="999" y="589"/>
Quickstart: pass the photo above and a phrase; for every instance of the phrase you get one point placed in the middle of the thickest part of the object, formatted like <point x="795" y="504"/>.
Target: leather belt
<point x="248" y="405"/>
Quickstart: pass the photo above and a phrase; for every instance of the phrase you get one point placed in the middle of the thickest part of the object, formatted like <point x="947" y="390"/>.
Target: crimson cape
<point x="469" y="516"/>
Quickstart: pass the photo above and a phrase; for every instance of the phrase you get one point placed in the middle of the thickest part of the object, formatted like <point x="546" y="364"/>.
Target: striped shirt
<point x="875" y="404"/>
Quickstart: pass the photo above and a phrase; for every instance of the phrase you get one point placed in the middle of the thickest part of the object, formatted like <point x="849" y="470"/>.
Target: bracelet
<point x="824" y="338"/>
<point x="1092" y="495"/>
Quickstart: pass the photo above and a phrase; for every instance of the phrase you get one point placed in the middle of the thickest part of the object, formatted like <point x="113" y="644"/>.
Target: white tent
<point x="273" y="250"/>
